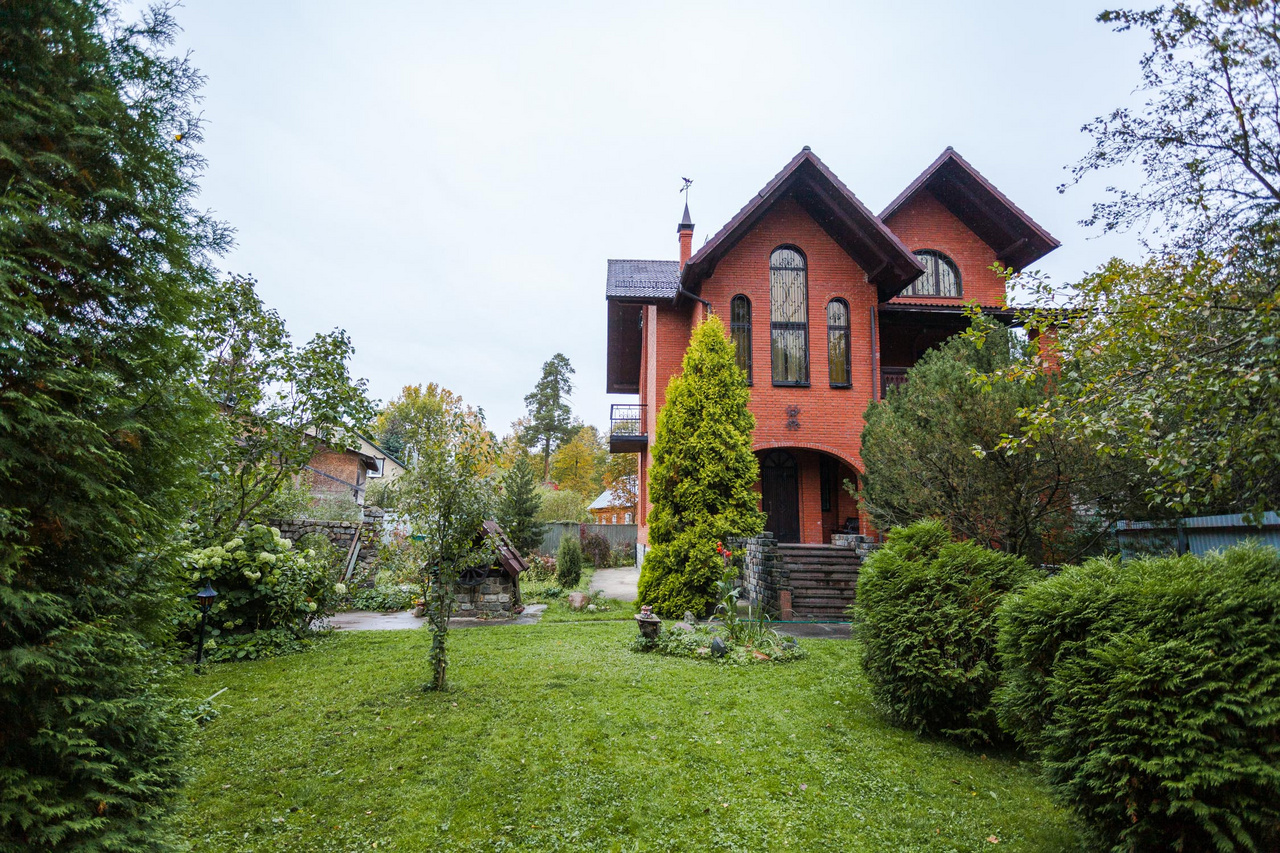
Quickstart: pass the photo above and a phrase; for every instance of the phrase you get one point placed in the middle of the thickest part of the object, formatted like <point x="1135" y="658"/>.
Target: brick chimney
<point x="685" y="230"/>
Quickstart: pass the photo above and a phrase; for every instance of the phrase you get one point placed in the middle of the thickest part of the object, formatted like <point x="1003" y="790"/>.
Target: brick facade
<point x="819" y="422"/>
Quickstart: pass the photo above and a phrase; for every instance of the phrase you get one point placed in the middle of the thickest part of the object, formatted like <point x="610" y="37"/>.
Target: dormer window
<point x="789" y="317"/>
<point x="941" y="277"/>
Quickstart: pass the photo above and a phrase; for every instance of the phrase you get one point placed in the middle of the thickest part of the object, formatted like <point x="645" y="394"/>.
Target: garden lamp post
<point x="205" y="599"/>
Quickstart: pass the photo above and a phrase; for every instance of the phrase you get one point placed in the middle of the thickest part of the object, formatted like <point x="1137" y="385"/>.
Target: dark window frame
<point x="848" y="343"/>
<point x="934" y="261"/>
<point x="828" y="475"/>
<point x="776" y="326"/>
<point x="741" y="327"/>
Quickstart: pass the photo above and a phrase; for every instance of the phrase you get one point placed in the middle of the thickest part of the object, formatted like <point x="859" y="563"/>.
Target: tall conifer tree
<point x="102" y="263"/>
<point x="702" y="476"/>
<point x="517" y="513"/>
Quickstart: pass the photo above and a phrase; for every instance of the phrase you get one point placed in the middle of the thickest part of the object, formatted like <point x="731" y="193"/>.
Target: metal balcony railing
<point x="627" y="430"/>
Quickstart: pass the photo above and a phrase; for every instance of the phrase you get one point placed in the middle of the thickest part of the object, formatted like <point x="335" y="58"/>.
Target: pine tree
<point x="102" y="263"/>
<point x="702" y="476"/>
<point x="520" y="504"/>
<point x="550" y="418"/>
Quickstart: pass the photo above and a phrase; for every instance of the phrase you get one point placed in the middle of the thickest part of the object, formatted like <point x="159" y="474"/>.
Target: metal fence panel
<point x="1194" y="535"/>
<point x="619" y="535"/>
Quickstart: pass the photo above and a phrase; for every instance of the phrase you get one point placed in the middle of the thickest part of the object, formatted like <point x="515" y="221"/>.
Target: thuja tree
<point x="702" y="476"/>
<point x="448" y="493"/>
<point x="518" y="509"/>
<point x="102" y="265"/>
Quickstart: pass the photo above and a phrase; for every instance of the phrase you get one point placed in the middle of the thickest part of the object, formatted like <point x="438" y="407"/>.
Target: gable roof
<point x="642" y="279"/>
<point x="890" y="266"/>
<point x="609" y="499"/>
<point x="1014" y="236"/>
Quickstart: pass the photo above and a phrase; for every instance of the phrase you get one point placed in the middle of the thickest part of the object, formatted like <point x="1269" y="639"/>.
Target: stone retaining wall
<point x="340" y="534"/>
<point x="764" y="576"/>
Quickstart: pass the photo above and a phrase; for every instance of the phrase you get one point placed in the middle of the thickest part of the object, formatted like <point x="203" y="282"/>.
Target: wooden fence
<point x="619" y="535"/>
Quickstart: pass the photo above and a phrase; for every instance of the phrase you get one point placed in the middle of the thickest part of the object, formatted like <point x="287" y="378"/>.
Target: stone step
<point x="821" y="612"/>
<point x="819" y="592"/>
<point x="804" y="587"/>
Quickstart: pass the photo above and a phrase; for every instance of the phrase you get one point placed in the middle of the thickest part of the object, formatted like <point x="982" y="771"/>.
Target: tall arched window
<point x="789" y="317"/>
<point x="740" y="331"/>
<point x="941" y="278"/>
<point x="838" y="343"/>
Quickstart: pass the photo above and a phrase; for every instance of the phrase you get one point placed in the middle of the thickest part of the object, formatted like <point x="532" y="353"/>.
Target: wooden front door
<point x="780" y="495"/>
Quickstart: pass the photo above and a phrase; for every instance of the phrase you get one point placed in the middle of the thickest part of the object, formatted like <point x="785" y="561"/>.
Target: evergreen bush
<point x="1151" y="692"/>
<point x="569" y="563"/>
<point x="701" y="479"/>
<point x="926" y="618"/>
<point x="519" y="505"/>
<point x="103" y="262"/>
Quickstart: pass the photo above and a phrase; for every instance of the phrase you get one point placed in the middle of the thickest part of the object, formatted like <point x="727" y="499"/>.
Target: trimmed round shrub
<point x="925" y="616"/>
<point x="1151" y="692"/>
<point x="569" y="563"/>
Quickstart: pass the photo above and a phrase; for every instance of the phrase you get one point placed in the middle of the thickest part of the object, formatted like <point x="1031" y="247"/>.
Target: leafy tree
<point x="933" y="449"/>
<point x="512" y="446"/>
<point x="448" y="493"/>
<point x="518" y="510"/>
<point x="279" y="404"/>
<point x="622" y="477"/>
<point x="1206" y="135"/>
<point x="702" y="476"/>
<point x="1174" y="362"/>
<point x="564" y="505"/>
<point x="103" y="262"/>
<point x="550" y="418"/>
<point x="399" y="416"/>
<point x="579" y="464"/>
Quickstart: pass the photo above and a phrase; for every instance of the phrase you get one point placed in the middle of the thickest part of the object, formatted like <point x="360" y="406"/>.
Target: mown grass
<point x="556" y="737"/>
<point x="560" y="611"/>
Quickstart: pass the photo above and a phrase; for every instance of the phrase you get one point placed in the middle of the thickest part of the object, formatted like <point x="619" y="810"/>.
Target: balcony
<point x="892" y="377"/>
<point x="627" y="430"/>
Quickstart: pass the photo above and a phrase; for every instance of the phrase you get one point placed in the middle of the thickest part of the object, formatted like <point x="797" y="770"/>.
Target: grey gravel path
<point x="616" y="583"/>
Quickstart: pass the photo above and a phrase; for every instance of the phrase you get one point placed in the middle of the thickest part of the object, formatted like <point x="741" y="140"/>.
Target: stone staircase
<point x="823" y="579"/>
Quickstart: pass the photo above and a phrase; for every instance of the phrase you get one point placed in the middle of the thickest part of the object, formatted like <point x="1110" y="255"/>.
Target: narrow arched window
<point x="838" y="343"/>
<point x="789" y="317"/>
<point x="740" y="332"/>
<point x="941" y="277"/>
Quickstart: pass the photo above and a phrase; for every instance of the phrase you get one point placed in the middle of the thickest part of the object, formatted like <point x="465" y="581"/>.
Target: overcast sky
<point x="445" y="181"/>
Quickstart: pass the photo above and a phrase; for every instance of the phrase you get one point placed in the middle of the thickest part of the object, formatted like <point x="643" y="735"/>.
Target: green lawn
<point x="556" y="737"/>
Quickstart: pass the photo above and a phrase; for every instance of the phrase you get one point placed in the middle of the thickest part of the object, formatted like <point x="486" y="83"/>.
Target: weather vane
<point x="688" y="182"/>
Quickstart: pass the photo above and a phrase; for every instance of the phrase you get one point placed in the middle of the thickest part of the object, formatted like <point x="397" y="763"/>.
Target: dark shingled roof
<point x="1016" y="238"/>
<point x="642" y="280"/>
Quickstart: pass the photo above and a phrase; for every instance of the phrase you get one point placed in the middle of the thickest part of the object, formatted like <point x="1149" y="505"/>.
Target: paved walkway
<point x="365" y="620"/>
<point x="616" y="583"/>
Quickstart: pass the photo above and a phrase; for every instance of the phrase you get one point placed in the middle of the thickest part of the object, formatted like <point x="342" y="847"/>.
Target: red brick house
<point x="828" y="304"/>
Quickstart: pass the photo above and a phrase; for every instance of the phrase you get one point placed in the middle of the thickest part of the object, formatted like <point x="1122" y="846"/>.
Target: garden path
<point x="616" y="583"/>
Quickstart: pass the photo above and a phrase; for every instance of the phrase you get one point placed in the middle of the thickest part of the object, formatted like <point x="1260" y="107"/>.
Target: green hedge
<point x="1151" y="692"/>
<point x="925" y="616"/>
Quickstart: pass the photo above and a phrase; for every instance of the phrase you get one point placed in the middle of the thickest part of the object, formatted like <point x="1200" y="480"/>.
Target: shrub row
<point x="1149" y="690"/>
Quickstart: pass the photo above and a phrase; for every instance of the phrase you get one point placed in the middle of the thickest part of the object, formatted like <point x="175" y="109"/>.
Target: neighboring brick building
<point x="613" y="508"/>
<point x="805" y="263"/>
<point x="345" y="473"/>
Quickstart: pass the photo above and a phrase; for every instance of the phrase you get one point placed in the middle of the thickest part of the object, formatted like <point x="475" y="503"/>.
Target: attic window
<point x="941" y="278"/>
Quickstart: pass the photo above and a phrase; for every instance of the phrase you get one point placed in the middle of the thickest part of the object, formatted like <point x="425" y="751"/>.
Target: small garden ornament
<point x="649" y="624"/>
